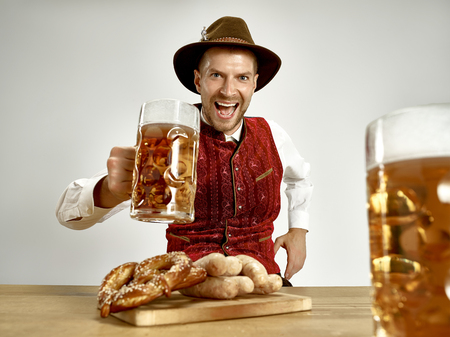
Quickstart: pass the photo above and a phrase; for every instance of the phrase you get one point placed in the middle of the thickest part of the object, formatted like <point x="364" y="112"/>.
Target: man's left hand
<point x="294" y="242"/>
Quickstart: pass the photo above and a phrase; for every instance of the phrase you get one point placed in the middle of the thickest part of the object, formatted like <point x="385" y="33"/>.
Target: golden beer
<point x="410" y="246"/>
<point x="164" y="176"/>
<point x="164" y="181"/>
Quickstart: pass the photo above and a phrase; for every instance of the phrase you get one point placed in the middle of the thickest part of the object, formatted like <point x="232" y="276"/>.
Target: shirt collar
<point x="234" y="137"/>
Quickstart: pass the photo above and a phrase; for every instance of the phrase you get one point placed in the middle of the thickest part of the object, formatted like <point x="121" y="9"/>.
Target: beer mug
<point x="165" y="176"/>
<point x="408" y="201"/>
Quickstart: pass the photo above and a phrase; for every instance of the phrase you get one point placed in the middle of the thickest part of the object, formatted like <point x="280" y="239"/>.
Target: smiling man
<point x="241" y="163"/>
<point x="226" y="80"/>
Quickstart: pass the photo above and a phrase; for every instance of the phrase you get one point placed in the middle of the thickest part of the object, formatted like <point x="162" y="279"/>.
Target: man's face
<point x="226" y="80"/>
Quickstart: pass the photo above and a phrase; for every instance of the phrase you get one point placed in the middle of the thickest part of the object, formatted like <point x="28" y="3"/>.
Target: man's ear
<point x="256" y="81"/>
<point x="197" y="80"/>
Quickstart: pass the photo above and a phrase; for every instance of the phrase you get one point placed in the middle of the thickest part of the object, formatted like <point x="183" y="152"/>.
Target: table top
<point x="50" y="310"/>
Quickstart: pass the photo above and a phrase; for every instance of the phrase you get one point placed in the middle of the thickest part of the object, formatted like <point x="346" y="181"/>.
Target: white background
<point x="73" y="75"/>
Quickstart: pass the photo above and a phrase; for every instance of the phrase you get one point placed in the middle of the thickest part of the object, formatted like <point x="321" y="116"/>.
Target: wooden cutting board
<point x="179" y="309"/>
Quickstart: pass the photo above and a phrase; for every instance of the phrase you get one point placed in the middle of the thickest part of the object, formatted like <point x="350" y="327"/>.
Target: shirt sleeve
<point x="75" y="208"/>
<point x="296" y="176"/>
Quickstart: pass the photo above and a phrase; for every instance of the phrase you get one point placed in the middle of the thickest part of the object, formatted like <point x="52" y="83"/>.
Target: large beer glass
<point x="408" y="200"/>
<point x="164" y="176"/>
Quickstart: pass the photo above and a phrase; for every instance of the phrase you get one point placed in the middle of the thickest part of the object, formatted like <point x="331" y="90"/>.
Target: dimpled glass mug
<point x="165" y="172"/>
<point x="408" y="201"/>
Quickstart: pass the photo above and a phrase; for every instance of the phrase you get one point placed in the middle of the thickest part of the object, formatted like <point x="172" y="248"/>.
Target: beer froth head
<point x="409" y="133"/>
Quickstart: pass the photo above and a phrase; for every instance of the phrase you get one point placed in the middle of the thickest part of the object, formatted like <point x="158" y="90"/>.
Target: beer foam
<point x="409" y="133"/>
<point x="171" y="111"/>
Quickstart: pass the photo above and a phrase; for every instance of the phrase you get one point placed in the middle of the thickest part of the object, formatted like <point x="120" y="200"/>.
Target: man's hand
<point x="294" y="242"/>
<point x="116" y="186"/>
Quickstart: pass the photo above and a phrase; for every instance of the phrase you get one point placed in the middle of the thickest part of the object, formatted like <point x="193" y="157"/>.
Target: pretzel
<point x="112" y="282"/>
<point x="196" y="276"/>
<point x="177" y="264"/>
<point x="132" y="296"/>
<point x="133" y="284"/>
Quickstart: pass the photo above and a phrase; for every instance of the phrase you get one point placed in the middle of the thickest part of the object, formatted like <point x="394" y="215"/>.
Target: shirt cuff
<point x="79" y="212"/>
<point x="298" y="219"/>
<point x="88" y="221"/>
<point x="86" y="201"/>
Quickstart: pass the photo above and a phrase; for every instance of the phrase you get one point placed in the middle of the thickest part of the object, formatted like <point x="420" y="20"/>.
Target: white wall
<point x="73" y="75"/>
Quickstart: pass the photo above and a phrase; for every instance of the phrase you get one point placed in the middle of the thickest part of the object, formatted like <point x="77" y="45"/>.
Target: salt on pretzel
<point x="196" y="276"/>
<point x="133" y="284"/>
<point x="112" y="282"/>
<point x="176" y="265"/>
<point x="132" y="296"/>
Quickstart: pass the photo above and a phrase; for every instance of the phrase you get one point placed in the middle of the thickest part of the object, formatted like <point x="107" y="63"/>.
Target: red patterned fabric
<point x="237" y="199"/>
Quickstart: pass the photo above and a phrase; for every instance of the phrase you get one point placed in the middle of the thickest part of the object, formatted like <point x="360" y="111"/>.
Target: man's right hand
<point x="116" y="186"/>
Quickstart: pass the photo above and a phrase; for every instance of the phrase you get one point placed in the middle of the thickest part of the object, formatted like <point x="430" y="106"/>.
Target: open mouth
<point x="226" y="109"/>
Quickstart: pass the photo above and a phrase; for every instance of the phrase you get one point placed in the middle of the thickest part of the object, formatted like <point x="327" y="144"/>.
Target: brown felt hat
<point x="226" y="31"/>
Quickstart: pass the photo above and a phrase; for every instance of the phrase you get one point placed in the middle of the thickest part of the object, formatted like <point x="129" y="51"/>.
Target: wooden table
<point x="66" y="311"/>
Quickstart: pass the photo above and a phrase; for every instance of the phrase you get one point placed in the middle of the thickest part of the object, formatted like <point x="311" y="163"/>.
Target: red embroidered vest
<point x="237" y="198"/>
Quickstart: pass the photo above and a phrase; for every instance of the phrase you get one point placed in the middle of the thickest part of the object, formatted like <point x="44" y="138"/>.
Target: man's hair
<point x="232" y="49"/>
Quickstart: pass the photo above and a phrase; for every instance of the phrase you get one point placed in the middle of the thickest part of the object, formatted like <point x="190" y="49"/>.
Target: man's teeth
<point x="226" y="105"/>
<point x="229" y="108"/>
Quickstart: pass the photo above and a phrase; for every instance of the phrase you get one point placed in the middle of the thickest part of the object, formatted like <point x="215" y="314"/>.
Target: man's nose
<point x="228" y="87"/>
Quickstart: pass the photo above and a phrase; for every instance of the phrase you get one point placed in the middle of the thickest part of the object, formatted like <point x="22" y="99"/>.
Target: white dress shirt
<point x="77" y="200"/>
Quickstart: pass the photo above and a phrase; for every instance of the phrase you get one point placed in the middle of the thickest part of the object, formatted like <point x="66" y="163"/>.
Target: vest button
<point x="229" y="234"/>
<point x="227" y="247"/>
<point x="240" y="207"/>
<point x="237" y="168"/>
<point x="239" y="188"/>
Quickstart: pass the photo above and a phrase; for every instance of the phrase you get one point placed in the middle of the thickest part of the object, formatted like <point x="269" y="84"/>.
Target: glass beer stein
<point x="164" y="176"/>
<point x="408" y="201"/>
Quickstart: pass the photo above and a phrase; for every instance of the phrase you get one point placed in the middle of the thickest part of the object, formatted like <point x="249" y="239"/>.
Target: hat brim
<point x="186" y="59"/>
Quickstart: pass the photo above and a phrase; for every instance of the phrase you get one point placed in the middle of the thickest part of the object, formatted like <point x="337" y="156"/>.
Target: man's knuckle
<point x="113" y="151"/>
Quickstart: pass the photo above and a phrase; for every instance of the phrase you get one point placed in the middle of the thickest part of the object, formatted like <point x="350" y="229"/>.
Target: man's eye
<point x="243" y="78"/>
<point x="215" y="75"/>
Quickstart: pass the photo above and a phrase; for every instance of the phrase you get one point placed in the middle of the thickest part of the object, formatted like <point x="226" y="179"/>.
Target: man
<point x="242" y="160"/>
